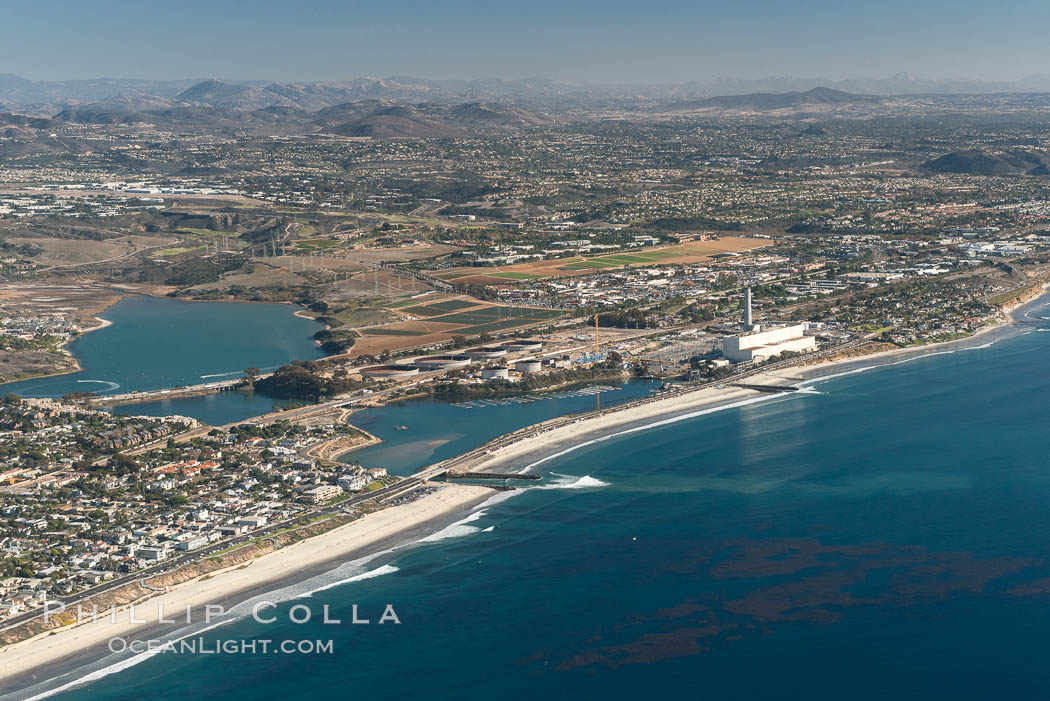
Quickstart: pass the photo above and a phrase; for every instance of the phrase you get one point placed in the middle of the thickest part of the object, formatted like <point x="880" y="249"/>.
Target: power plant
<point x="759" y="342"/>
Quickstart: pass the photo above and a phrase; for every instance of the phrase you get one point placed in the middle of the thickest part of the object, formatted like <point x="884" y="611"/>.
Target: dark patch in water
<point x="804" y="581"/>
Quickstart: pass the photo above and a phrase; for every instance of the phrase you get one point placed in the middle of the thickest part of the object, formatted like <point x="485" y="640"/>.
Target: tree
<point x="122" y="464"/>
<point x="250" y="374"/>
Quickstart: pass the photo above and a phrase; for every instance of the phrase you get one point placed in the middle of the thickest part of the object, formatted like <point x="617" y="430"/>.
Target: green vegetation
<point x="515" y="276"/>
<point x="303" y="380"/>
<point x="423" y="311"/>
<point x="452" y="305"/>
<point x="619" y="259"/>
<point x="316" y="244"/>
<point x="402" y="303"/>
<point x="175" y="251"/>
<point x="14" y="343"/>
<point x="335" y="341"/>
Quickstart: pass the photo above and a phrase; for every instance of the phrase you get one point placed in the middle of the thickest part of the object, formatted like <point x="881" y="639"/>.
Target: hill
<point x="983" y="162"/>
<point x="764" y="102"/>
<point x="426" y="120"/>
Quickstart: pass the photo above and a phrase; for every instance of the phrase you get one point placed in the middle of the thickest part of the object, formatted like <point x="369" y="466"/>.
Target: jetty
<point x="765" y="388"/>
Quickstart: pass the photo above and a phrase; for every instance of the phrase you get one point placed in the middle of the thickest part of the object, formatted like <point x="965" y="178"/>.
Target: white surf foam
<point x="371" y="574"/>
<point x="456" y="530"/>
<point x="573" y="482"/>
<point x="222" y="374"/>
<point x="110" y="386"/>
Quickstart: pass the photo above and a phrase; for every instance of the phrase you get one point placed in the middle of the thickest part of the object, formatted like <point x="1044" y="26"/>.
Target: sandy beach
<point x="355" y="538"/>
<point x="350" y="539"/>
<point x="552" y="443"/>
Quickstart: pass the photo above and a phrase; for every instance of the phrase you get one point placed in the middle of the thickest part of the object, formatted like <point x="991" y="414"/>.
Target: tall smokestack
<point x="747" y="307"/>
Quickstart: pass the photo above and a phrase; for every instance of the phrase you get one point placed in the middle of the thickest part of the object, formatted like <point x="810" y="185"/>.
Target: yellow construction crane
<point x="598" y="394"/>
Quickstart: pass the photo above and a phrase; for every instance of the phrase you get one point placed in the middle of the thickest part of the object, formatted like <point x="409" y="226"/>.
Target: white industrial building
<point x="763" y="342"/>
<point x="759" y="342"/>
<point x="495" y="374"/>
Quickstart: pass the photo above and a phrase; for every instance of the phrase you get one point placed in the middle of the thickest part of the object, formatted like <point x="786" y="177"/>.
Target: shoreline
<point x="539" y="446"/>
<point x="105" y="323"/>
<point x="64" y="350"/>
<point x="64" y="651"/>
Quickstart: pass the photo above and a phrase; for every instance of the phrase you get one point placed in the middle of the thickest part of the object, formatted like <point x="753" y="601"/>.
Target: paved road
<point x="402" y="486"/>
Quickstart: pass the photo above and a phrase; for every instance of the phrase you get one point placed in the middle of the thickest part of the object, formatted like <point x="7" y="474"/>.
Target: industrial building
<point x="442" y="362"/>
<point x="389" y="372"/>
<point x="758" y="342"/>
<point x="763" y="342"/>
<point x="523" y="346"/>
<point x="527" y="367"/>
<point x="485" y="352"/>
<point x="495" y="374"/>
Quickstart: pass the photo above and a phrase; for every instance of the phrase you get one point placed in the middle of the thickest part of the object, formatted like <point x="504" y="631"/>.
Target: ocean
<point x="884" y="534"/>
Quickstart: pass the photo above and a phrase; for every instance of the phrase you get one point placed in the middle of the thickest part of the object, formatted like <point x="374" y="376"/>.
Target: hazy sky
<point x="652" y="41"/>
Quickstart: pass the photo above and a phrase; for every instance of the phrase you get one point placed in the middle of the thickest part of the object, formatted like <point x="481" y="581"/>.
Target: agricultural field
<point x="683" y="253"/>
<point x="441" y="319"/>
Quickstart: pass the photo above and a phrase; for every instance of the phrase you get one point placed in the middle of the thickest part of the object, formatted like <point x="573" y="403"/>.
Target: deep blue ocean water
<point x="885" y="536"/>
<point x="158" y="342"/>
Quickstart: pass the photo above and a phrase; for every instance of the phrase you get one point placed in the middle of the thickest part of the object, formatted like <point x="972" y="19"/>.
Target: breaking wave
<point x="573" y="482"/>
<point x="110" y="386"/>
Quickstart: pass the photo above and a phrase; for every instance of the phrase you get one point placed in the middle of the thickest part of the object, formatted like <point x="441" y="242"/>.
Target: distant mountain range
<point x="50" y="97"/>
<point x="372" y="118"/>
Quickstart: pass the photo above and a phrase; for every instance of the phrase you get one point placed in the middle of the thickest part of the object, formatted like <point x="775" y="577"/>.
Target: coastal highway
<point x="402" y="486"/>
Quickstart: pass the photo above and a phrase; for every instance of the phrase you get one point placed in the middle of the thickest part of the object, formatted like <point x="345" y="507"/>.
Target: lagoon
<point x="154" y="342"/>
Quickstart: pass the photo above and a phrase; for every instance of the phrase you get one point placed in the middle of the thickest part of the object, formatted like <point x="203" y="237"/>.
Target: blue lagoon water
<point x="437" y="431"/>
<point x="158" y="342"/>
<point x="886" y="535"/>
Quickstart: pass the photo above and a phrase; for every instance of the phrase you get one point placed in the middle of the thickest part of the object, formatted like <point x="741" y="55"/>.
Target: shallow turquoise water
<point x="887" y="537"/>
